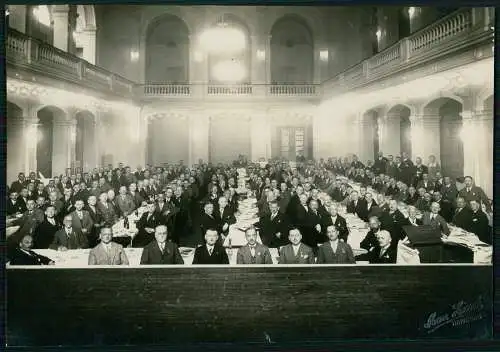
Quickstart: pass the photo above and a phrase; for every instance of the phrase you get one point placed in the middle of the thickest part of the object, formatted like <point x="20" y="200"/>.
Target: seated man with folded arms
<point x="335" y="251"/>
<point x="107" y="252"/>
<point x="212" y="252"/>
<point x="386" y="252"/>
<point x="23" y="255"/>
<point x="296" y="252"/>
<point x="69" y="238"/>
<point x="159" y="251"/>
<point x="253" y="252"/>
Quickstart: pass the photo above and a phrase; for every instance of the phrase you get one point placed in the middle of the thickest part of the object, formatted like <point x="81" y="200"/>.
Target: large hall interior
<point x="251" y="138"/>
<point x="179" y="97"/>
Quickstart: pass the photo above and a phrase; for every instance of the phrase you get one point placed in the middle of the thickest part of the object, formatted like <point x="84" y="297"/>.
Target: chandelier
<point x="230" y="71"/>
<point x="223" y="38"/>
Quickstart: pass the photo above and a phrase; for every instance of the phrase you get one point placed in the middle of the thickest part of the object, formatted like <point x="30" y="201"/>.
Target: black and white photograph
<point x="248" y="174"/>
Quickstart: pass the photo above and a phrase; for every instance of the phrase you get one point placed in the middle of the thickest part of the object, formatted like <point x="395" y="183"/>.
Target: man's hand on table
<point x="225" y="227"/>
<point x="318" y="227"/>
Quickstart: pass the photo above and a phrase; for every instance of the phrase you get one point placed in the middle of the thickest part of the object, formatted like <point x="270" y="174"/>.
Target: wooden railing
<point x="468" y="26"/>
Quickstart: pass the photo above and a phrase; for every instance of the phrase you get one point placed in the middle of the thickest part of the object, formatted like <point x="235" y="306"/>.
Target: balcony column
<point x="316" y="63"/>
<point x="199" y="141"/>
<point x="477" y="132"/>
<point x="198" y="67"/>
<point x="63" y="146"/>
<point x="88" y="38"/>
<point x="260" y="137"/>
<point x="425" y="136"/>
<point x="388" y="23"/>
<point x="268" y="60"/>
<point x="27" y="141"/>
<point x="60" y="14"/>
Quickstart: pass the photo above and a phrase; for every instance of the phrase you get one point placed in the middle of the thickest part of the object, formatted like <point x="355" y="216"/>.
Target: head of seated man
<point x="251" y="236"/>
<point x="295" y="237"/>
<point x="427" y="197"/>
<point x="384" y="239"/>
<point x="25" y="256"/>
<point x="354" y="196"/>
<point x="209" y="208"/>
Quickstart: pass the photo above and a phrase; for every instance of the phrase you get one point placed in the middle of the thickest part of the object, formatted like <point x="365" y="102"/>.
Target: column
<point x="425" y="136"/>
<point x="389" y="134"/>
<point x="477" y="135"/>
<point x="88" y="37"/>
<point x="97" y="141"/>
<point x="260" y="138"/>
<point x="29" y="140"/>
<point x="199" y="142"/>
<point x="316" y="63"/>
<point x="61" y="26"/>
<point x="268" y="60"/>
<point x="64" y="146"/>
<point x="387" y="18"/>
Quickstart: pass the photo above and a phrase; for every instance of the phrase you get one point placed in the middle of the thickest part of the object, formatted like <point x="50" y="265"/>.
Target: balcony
<point x="464" y="29"/>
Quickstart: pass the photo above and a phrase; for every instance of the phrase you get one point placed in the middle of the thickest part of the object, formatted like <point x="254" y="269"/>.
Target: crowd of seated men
<point x="79" y="210"/>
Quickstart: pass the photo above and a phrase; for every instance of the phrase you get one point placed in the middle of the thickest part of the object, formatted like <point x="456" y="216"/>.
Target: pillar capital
<point x="60" y="9"/>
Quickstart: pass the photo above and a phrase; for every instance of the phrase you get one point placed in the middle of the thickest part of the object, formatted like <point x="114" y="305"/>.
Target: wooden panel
<point x="174" y="305"/>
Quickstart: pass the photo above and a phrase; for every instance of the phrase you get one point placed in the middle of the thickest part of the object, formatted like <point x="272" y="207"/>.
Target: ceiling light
<point x="223" y="38"/>
<point x="323" y="55"/>
<point x="134" y="55"/>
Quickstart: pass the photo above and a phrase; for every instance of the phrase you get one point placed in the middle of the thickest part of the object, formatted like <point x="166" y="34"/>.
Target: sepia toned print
<point x="188" y="166"/>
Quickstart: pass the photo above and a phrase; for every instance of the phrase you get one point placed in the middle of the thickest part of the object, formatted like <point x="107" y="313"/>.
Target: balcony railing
<point x="464" y="28"/>
<point x="25" y="51"/>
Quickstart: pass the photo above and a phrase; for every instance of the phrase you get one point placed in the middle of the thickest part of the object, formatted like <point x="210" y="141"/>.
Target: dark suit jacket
<point x="305" y="255"/>
<point x="77" y="240"/>
<point x="269" y="228"/>
<point x="370" y="241"/>
<point x="388" y="257"/>
<point x="262" y="255"/>
<point x="430" y="185"/>
<point x="476" y="193"/>
<point x="219" y="255"/>
<point x="152" y="254"/>
<point x="359" y="209"/>
<point x="44" y="234"/>
<point x="438" y="221"/>
<point x="108" y="213"/>
<point x="85" y="223"/>
<point x="20" y="257"/>
<point x="343" y="254"/>
<point x="209" y="222"/>
<point x="99" y="256"/>
<point x="16" y="207"/>
<point x="462" y="218"/>
<point x="394" y="223"/>
<point x="340" y="224"/>
<point x="227" y="217"/>
<point x="449" y="193"/>
<point x="310" y="236"/>
<point x="480" y="226"/>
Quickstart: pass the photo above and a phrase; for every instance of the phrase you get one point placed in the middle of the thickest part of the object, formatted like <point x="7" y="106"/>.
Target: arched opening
<point x="40" y="24"/>
<point x="85" y="140"/>
<point x="175" y="147"/>
<point x="231" y="64"/>
<point x="15" y="141"/>
<point x="448" y="111"/>
<point x="399" y="130"/>
<point x="51" y="135"/>
<point x="376" y="136"/>
<point x="292" y="51"/>
<point x="167" y="51"/>
<point x="404" y="23"/>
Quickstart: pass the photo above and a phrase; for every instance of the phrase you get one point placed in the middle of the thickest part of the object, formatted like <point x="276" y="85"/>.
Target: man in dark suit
<point x="479" y="224"/>
<point x="296" y="252"/>
<point x="419" y="170"/>
<point x="208" y="220"/>
<point x="449" y="190"/>
<point x="107" y="211"/>
<point x="407" y="169"/>
<point x="426" y="183"/>
<point x="386" y="252"/>
<point x="473" y="192"/>
<point x="82" y="222"/>
<point x="68" y="238"/>
<point x="19" y="184"/>
<point x="393" y="221"/>
<point x="357" y="206"/>
<point x="45" y="232"/>
<point x="433" y="218"/>
<point x="274" y="227"/>
<point x="225" y="216"/>
<point x="462" y="216"/>
<point x="212" y="252"/>
<point x="379" y="167"/>
<point x="313" y="232"/>
<point x="335" y="251"/>
<point x="336" y="220"/>
<point x="370" y="242"/>
<point x="14" y="205"/>
<point x="160" y="251"/>
<point x="253" y="252"/>
<point x="23" y="255"/>
<point x="446" y="208"/>
<point x="146" y="226"/>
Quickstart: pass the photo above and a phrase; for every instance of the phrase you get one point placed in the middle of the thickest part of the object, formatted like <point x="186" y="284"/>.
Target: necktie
<point x="210" y="250"/>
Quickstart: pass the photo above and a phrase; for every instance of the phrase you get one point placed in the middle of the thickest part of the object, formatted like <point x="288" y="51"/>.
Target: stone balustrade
<point x="465" y="27"/>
